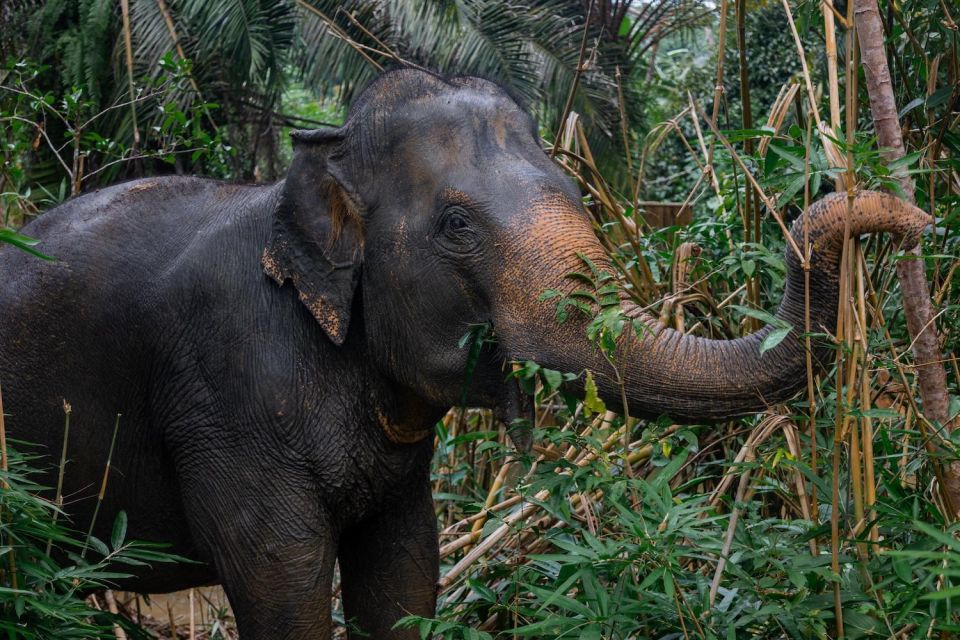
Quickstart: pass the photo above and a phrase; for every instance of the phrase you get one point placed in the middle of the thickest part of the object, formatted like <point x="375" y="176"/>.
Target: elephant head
<point x="434" y="209"/>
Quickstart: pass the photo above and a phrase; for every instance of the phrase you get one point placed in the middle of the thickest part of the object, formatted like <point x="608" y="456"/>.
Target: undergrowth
<point x="47" y="569"/>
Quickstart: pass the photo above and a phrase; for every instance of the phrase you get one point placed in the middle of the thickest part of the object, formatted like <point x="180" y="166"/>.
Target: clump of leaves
<point x="42" y="595"/>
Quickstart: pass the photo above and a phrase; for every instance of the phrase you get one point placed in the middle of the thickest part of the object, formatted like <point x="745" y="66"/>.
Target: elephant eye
<point x="455" y="220"/>
<point x="456" y="234"/>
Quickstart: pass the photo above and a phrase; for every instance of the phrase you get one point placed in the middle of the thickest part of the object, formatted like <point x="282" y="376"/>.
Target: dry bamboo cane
<point x="718" y="86"/>
<point x="638" y="454"/>
<point x="808" y="329"/>
<point x="855" y="366"/>
<point x="731" y="529"/>
<point x="526" y="510"/>
<point x="103" y="488"/>
<point x="833" y="155"/>
<point x="111" y="601"/>
<point x="833" y="85"/>
<point x="128" y="55"/>
<point x="581" y="58"/>
<point x="58" y="498"/>
<point x="751" y="212"/>
<point x="703" y="146"/>
<point x="495" y="487"/>
<point x="793" y="445"/>
<point x="917" y="305"/>
<point x="869" y="477"/>
<point x="509" y="502"/>
<point x="830" y="35"/>
<point x="843" y="338"/>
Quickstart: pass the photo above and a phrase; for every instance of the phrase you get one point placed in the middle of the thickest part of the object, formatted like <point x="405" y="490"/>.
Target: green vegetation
<point x="47" y="569"/>
<point x="823" y="518"/>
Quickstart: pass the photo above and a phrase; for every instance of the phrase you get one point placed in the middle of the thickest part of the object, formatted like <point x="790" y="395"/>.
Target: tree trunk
<point x="917" y="305"/>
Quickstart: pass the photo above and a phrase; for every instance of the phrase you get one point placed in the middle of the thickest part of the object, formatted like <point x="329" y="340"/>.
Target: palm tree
<point x="244" y="54"/>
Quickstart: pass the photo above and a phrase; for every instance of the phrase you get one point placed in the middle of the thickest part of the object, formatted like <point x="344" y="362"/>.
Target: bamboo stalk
<point x="832" y="154"/>
<point x="707" y="156"/>
<point x="808" y="347"/>
<point x="128" y="55"/>
<point x="103" y="488"/>
<point x="751" y="213"/>
<point x="869" y="478"/>
<point x="193" y="623"/>
<point x="111" y="601"/>
<point x="58" y="498"/>
<point x="576" y="78"/>
<point x="718" y="84"/>
<point x="778" y="114"/>
<point x="491" y="496"/>
<point x="811" y="96"/>
<point x="917" y="305"/>
<point x="833" y="84"/>
<point x="731" y="529"/>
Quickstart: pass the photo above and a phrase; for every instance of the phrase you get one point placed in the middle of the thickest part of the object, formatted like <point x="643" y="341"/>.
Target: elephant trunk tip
<point x="870" y="212"/>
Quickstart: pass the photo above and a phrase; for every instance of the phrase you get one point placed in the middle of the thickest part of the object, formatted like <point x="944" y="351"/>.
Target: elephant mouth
<point x="515" y="410"/>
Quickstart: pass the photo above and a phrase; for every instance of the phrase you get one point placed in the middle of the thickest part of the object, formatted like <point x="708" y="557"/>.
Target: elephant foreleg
<point x="273" y="549"/>
<point x="283" y="593"/>
<point x="389" y="567"/>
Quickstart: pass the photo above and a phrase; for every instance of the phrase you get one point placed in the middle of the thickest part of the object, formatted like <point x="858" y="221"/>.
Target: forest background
<point x="831" y="516"/>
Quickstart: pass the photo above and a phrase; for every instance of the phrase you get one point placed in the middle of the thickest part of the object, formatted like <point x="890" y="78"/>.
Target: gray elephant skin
<point x="280" y="354"/>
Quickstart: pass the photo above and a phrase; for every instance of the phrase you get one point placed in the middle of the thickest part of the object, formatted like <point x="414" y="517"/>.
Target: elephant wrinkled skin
<point x="280" y="354"/>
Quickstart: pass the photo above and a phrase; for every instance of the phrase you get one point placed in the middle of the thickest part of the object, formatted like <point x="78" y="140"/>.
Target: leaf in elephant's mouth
<point x="516" y="411"/>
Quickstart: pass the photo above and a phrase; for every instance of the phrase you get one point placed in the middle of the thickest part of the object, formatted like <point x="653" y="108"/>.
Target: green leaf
<point x="940" y="96"/>
<point x="758" y="314"/>
<point x="119" y="531"/>
<point x="22" y="242"/>
<point x="590" y="632"/>
<point x="774" y="338"/>
<point x="913" y="104"/>
<point x="905" y="161"/>
<point x="591" y="401"/>
<point x="942" y="594"/>
<point x="98" y="545"/>
<point x="552" y="379"/>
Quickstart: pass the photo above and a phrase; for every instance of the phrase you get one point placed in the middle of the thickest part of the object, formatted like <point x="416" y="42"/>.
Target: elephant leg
<point x="389" y="566"/>
<point x="282" y="591"/>
<point x="273" y="549"/>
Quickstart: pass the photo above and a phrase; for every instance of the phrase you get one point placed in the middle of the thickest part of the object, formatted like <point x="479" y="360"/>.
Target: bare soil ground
<point x="195" y="614"/>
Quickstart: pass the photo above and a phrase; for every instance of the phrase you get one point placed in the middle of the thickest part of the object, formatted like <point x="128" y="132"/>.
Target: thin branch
<point x="576" y="80"/>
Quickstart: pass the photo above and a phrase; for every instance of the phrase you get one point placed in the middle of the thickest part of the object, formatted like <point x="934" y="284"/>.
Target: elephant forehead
<point x="465" y="108"/>
<point x="455" y="132"/>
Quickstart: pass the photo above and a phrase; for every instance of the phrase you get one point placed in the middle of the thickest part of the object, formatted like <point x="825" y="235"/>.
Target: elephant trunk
<point x="690" y="378"/>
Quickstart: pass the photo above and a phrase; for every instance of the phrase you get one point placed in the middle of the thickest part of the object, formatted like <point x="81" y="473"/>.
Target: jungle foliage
<point x="821" y="518"/>
<point x="48" y="567"/>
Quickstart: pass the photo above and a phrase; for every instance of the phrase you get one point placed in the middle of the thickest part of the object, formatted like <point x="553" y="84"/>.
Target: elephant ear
<point x="317" y="237"/>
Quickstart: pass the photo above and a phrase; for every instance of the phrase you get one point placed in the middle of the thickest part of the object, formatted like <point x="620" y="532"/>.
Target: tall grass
<point x="47" y="568"/>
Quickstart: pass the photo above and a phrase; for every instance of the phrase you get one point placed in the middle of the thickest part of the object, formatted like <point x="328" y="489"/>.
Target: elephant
<point x="280" y="354"/>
